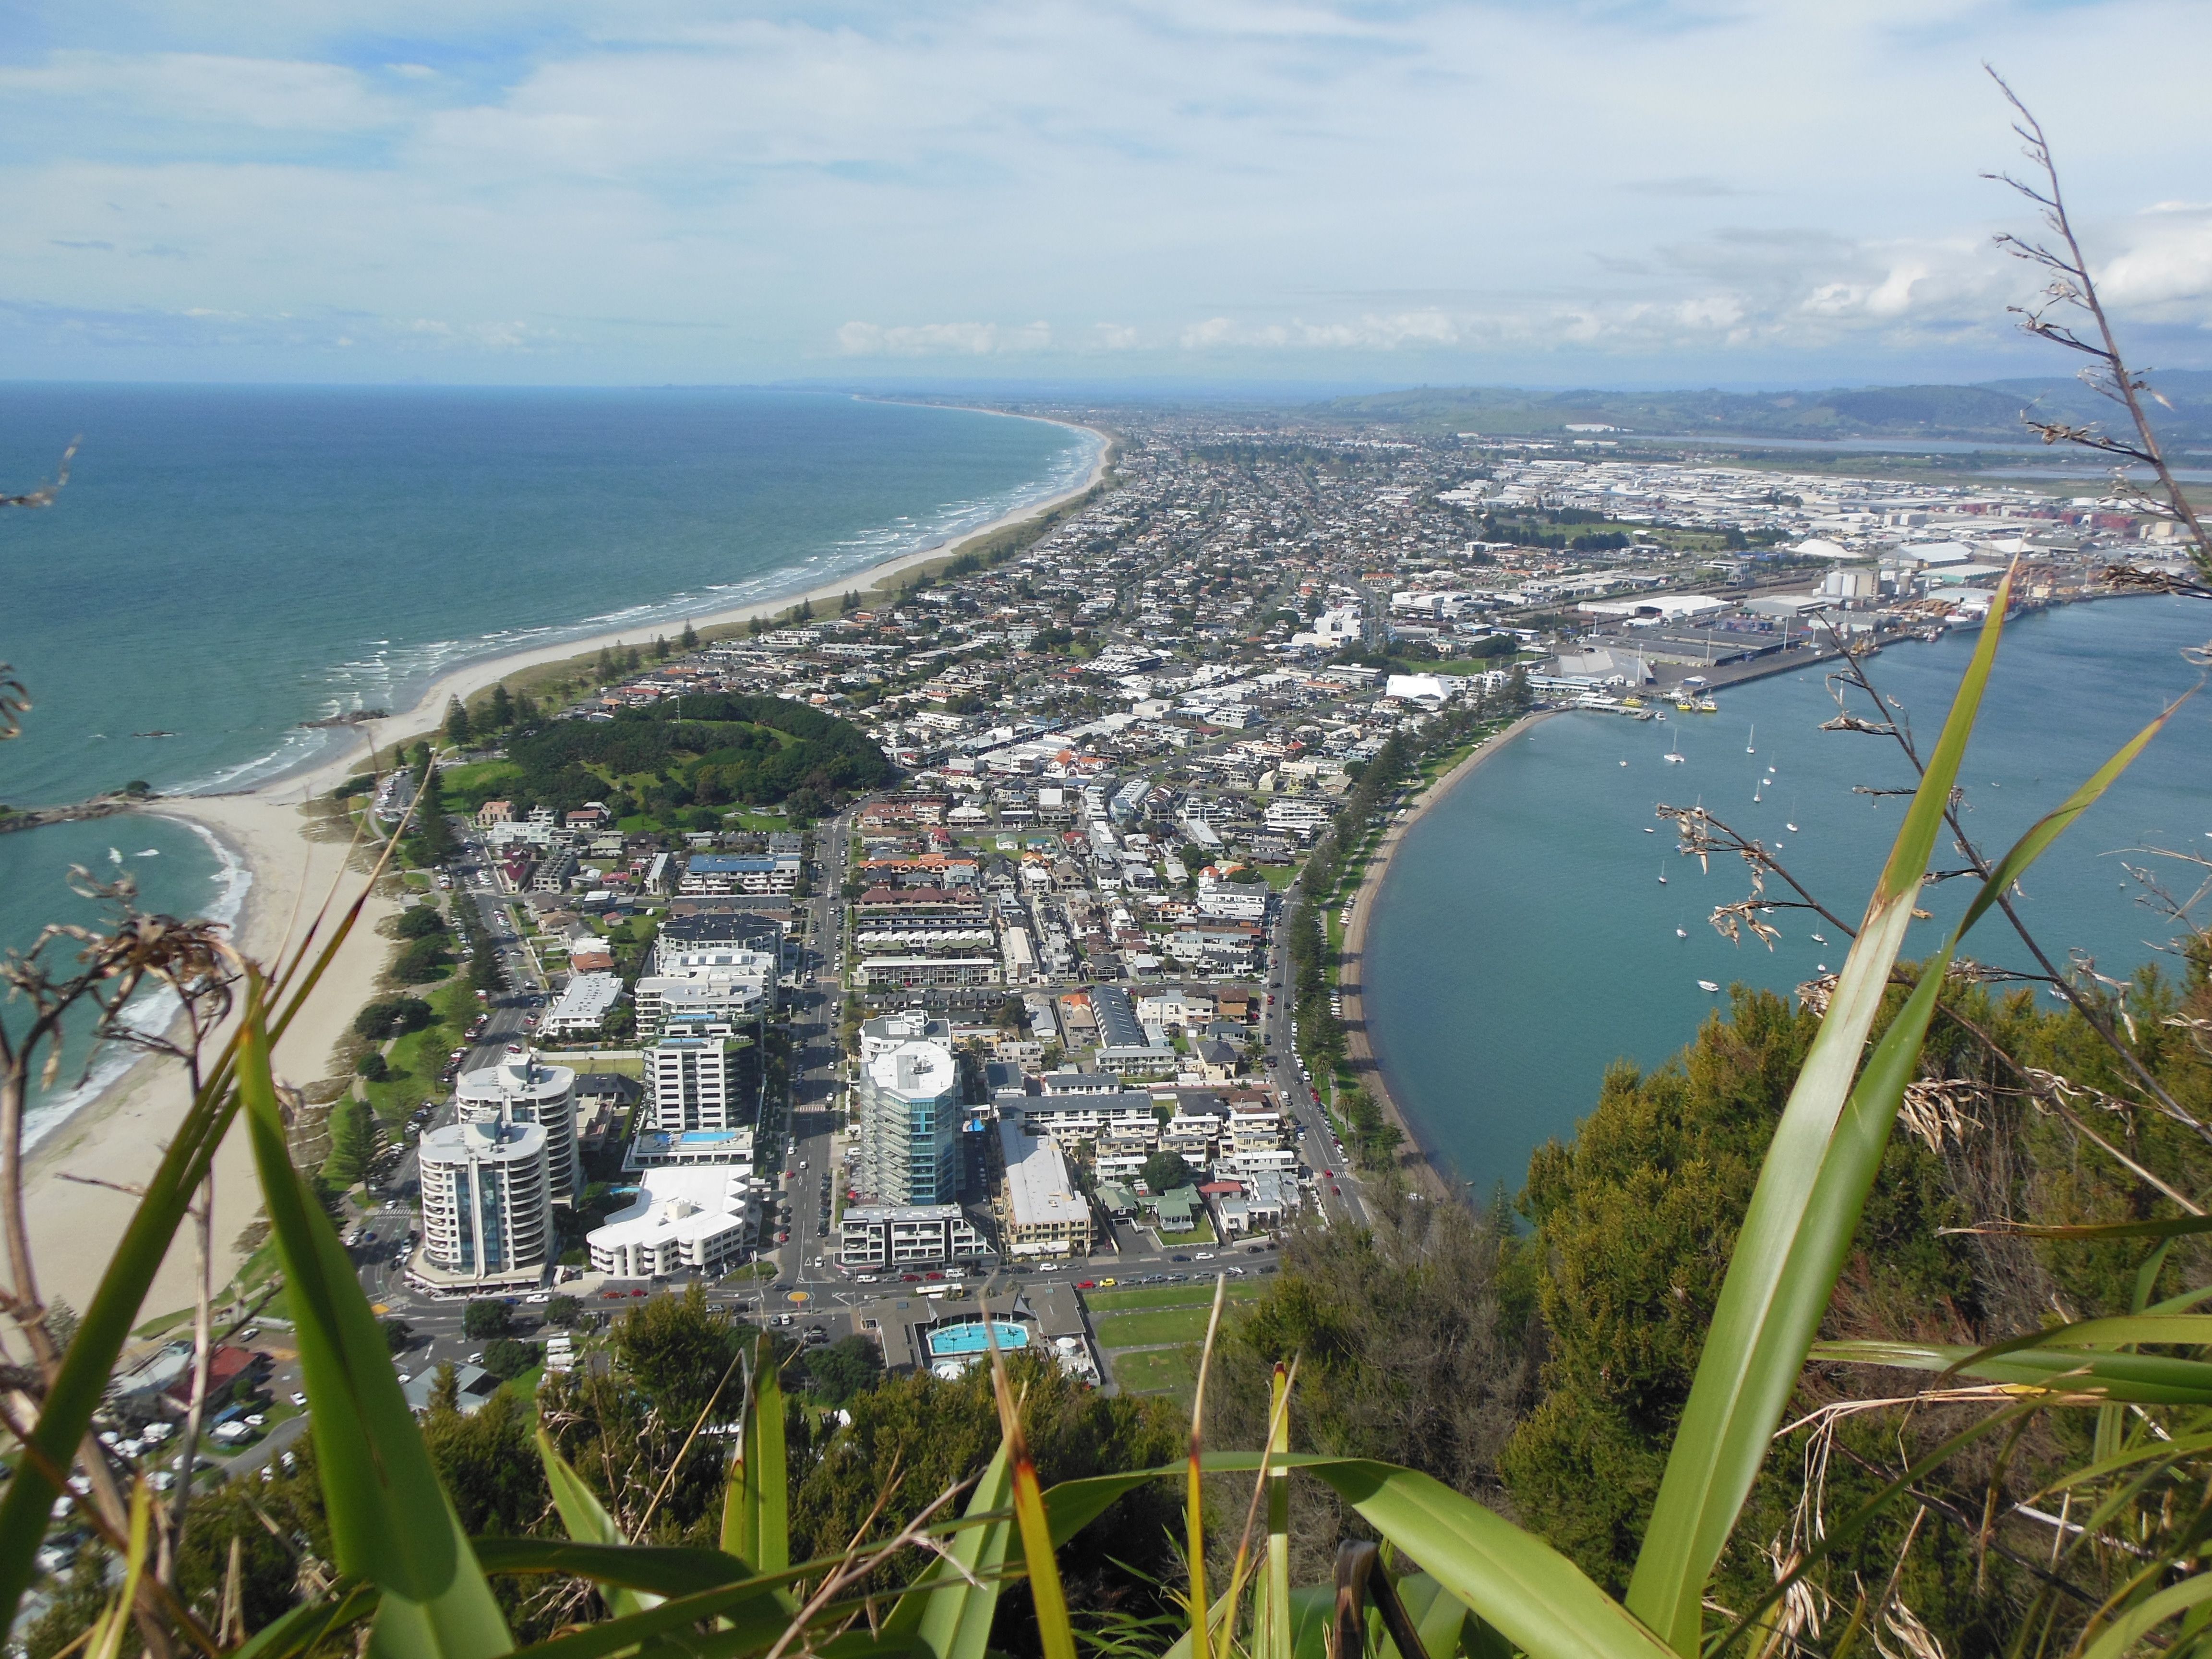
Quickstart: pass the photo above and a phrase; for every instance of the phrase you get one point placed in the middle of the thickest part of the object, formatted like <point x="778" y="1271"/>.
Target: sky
<point x="1639" y="192"/>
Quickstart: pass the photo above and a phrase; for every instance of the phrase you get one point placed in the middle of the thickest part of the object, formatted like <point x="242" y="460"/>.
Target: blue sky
<point x="1212" y="190"/>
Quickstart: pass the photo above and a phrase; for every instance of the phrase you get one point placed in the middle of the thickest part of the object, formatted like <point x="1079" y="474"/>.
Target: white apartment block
<point x="876" y="1236"/>
<point x="692" y="1084"/>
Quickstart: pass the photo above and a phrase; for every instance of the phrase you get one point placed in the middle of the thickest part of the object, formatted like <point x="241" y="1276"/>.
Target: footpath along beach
<point x="1419" y="1159"/>
<point x="82" y="1177"/>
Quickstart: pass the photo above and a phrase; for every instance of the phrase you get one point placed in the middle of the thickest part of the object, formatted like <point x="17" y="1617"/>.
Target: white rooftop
<point x="677" y="1202"/>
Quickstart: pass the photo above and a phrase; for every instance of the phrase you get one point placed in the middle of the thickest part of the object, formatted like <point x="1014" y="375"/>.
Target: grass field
<point x="1141" y="1330"/>
<point x="1198" y="1292"/>
<point x="1163" y="1370"/>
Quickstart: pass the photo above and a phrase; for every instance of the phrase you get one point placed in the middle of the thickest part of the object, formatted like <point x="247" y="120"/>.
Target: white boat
<point x="1682" y="932"/>
<point x="1817" y="939"/>
<point x="1662" y="877"/>
<point x="1707" y="985"/>
<point x="1749" y="740"/>
<point x="1791" y="828"/>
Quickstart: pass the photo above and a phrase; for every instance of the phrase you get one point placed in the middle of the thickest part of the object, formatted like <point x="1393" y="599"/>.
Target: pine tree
<point x="632" y="661"/>
<point x="690" y="637"/>
<point x="850" y="603"/>
<point x="660" y="648"/>
<point x="805" y="610"/>
<point x="353" y="1142"/>
<point x="606" y="663"/>
<point x="758" y="626"/>
<point x="434" y="835"/>
<point x="457" y="724"/>
<point x="525" y="708"/>
<point x="502" y="708"/>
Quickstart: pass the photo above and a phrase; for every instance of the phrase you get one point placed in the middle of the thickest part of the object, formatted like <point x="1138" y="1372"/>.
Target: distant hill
<point x="1989" y="412"/>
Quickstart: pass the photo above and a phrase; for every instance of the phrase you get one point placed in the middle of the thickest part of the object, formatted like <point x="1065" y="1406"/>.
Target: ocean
<point x="1523" y="940"/>
<point x="227" y="562"/>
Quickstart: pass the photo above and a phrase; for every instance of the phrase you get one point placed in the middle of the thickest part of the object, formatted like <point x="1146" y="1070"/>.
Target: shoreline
<point x="119" y="1133"/>
<point x="463" y="680"/>
<point x="1364" y="1059"/>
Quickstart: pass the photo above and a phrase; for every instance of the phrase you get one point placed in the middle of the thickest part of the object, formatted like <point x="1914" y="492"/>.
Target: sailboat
<point x="1748" y="741"/>
<point x="1682" y="932"/>
<point x="1663" y="875"/>
<point x="1674" y="752"/>
<point x="1817" y="939"/>
<point x="1755" y="792"/>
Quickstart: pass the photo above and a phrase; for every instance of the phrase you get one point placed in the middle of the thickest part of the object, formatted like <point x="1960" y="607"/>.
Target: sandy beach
<point x="1359" y="1048"/>
<point x="119" y="1136"/>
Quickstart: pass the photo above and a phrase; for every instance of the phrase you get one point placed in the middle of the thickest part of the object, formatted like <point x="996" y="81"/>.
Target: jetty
<point x="99" y="806"/>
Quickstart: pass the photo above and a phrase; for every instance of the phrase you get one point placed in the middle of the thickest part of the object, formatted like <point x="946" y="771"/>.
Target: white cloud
<point x="203" y="88"/>
<point x="941" y="339"/>
<point x="1397" y="186"/>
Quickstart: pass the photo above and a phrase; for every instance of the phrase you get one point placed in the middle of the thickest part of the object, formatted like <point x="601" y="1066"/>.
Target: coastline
<point x="1360" y="1053"/>
<point x="119" y="1133"/>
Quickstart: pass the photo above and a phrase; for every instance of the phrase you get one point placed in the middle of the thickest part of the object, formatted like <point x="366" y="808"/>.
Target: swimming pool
<point x="968" y="1338"/>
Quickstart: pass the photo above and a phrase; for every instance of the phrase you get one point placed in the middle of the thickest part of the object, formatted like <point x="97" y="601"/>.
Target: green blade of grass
<point x="1055" y="1633"/>
<point x="652" y="1572"/>
<point x="304" y="1627"/>
<point x="587" y="1521"/>
<point x="2147" y="1615"/>
<point x="105" y="1325"/>
<point x="1812" y="1184"/>
<point x="1779" y="1275"/>
<point x="756" y="1503"/>
<point x="1530" y="1593"/>
<point x="2139" y="1379"/>
<point x="391" y="1522"/>
<point x="942" y="1607"/>
<point x="1521" y="1588"/>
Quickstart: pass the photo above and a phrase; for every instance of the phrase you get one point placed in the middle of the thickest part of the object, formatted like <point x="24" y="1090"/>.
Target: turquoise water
<point x="970" y="1338"/>
<point x="228" y="562"/>
<point x="1522" y="941"/>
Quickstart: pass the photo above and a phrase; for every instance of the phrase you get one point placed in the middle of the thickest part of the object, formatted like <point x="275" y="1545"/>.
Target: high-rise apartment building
<point x="523" y="1089"/>
<point x="487" y="1212"/>
<point x="910" y="1124"/>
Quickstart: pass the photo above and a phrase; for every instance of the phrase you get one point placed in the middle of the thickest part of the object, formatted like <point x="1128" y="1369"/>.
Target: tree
<point x="805" y="612"/>
<point x="483" y="1319"/>
<point x="419" y="922"/>
<point x="506" y="1357"/>
<point x="632" y="661"/>
<point x="423" y="960"/>
<point x="353" y="1142"/>
<point x="660" y="648"/>
<point x="373" y="1065"/>
<point x="562" y="1311"/>
<point x="844" y="1369"/>
<point x="445" y="1390"/>
<point x="433" y="836"/>
<point x="1163" y="1172"/>
<point x="502" y="711"/>
<point x="691" y="638"/>
<point x="456" y="723"/>
<point x="677" y="1348"/>
<point x="398" y="1334"/>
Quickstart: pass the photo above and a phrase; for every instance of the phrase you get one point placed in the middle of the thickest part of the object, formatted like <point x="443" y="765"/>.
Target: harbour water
<point x="1523" y="940"/>
<point x="228" y="562"/>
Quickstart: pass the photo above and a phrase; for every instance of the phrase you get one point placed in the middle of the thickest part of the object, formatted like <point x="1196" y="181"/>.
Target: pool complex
<point x="968" y="1338"/>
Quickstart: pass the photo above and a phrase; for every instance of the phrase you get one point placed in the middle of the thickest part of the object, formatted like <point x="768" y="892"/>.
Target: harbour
<point x="1524" y="902"/>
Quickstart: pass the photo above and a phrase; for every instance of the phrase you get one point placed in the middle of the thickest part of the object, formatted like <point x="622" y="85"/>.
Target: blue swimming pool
<point x="970" y="1339"/>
